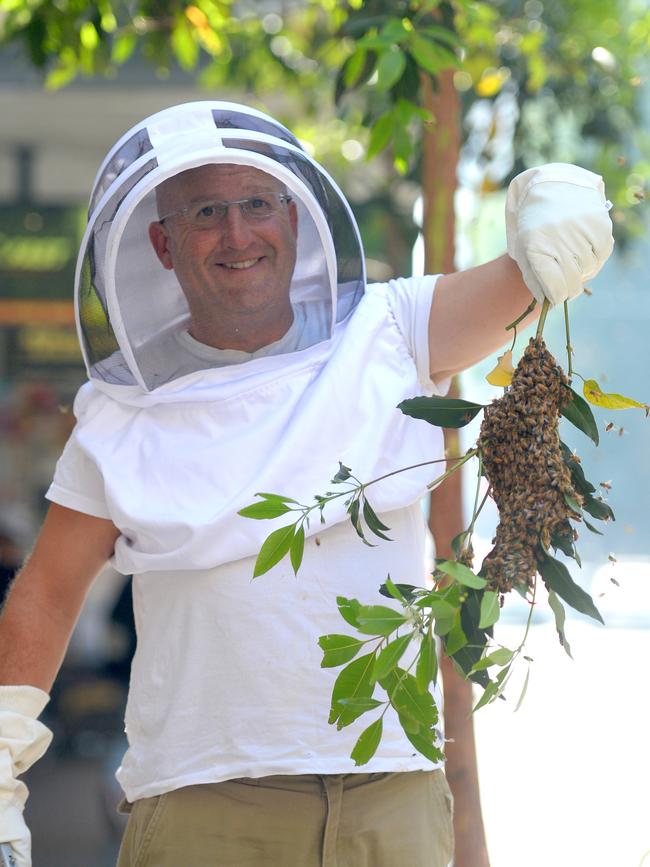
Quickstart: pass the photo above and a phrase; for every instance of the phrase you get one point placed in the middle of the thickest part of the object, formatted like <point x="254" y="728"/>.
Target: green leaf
<point x="579" y="413"/>
<point x="265" y="509"/>
<point x="123" y="47"/>
<point x="441" y="34"/>
<point x="391" y="655"/>
<point x="367" y="743"/>
<point x="394" y="31"/>
<point x="390" y="67"/>
<point x="353" y="67"/>
<point x="183" y="44"/>
<point x="378" y="619"/>
<point x="297" y="549"/>
<point x="441" y="411"/>
<point x="477" y="639"/>
<point x="489" y="693"/>
<point x="362" y="704"/>
<point x="373" y="522"/>
<point x="275" y="498"/>
<point x="426" y="746"/>
<point x="356" y="70"/>
<point x="60" y="75"/>
<point x="461" y="573"/>
<point x="564" y="542"/>
<point x="431" y="57"/>
<point x="338" y="649"/>
<point x="598" y="509"/>
<point x="560" y="616"/>
<point x="274" y="549"/>
<point x="404" y="593"/>
<point x="353" y="512"/>
<point x="426" y="669"/>
<point x="457" y="543"/>
<point x="490" y="609"/>
<point x="439" y="604"/>
<point x="355" y="681"/>
<point x="455" y="639"/>
<point x="501" y="656"/>
<point x="524" y="689"/>
<point x="380" y="134"/>
<point x="580" y="483"/>
<point x="349" y="610"/>
<point x="556" y="577"/>
<point x="592" y="528"/>
<point x="408" y="701"/>
<point x="88" y="35"/>
<point x="343" y="474"/>
<point x="573" y="504"/>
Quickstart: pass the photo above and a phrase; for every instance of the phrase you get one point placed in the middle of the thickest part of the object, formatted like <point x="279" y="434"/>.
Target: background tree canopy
<point x="574" y="70"/>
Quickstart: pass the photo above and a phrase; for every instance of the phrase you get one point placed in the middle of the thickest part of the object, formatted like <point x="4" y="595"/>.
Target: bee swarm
<point x="520" y="448"/>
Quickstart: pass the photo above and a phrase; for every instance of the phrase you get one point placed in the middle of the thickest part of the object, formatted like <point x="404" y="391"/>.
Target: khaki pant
<point x="340" y="820"/>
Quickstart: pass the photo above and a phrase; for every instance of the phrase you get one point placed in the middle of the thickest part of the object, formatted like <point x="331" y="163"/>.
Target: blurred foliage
<point x="574" y="67"/>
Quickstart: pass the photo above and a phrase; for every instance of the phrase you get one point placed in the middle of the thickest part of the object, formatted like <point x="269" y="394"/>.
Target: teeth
<point x="240" y="265"/>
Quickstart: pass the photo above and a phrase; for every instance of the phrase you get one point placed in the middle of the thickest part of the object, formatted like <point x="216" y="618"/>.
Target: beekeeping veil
<point x="127" y="302"/>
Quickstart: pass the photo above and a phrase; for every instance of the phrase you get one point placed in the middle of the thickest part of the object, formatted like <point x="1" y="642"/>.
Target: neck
<point x="247" y="332"/>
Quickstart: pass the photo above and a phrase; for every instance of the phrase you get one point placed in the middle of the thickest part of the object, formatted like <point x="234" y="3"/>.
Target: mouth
<point x="243" y="265"/>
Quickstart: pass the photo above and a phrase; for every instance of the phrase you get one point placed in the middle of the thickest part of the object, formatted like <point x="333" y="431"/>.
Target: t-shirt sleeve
<point x="410" y="300"/>
<point x="77" y="482"/>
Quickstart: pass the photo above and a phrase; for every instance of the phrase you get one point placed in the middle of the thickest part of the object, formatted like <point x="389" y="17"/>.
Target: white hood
<point x="127" y="302"/>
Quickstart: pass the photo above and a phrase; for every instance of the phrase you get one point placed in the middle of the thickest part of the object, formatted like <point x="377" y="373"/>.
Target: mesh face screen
<point x="232" y="119"/>
<point x="98" y="336"/>
<point x="130" y="151"/>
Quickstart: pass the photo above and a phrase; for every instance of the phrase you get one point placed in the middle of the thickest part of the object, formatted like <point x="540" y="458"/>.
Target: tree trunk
<point x="440" y="158"/>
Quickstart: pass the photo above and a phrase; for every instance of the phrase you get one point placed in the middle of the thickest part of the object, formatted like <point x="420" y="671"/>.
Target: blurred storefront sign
<point x="38" y="247"/>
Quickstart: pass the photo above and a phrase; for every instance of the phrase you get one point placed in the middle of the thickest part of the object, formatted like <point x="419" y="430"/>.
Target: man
<point x="232" y="346"/>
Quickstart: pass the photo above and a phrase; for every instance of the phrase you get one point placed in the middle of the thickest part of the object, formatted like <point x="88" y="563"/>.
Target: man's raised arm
<point x="559" y="235"/>
<point x="35" y="627"/>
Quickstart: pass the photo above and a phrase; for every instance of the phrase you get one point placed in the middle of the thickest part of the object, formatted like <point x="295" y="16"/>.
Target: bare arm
<point x="46" y="597"/>
<point x="469" y="314"/>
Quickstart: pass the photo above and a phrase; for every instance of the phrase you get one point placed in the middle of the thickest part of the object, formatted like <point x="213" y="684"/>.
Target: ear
<point x="159" y="238"/>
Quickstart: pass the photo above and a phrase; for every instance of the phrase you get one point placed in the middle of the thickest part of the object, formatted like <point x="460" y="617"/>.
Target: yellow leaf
<point x="502" y="373"/>
<point x="197" y="17"/>
<point x="594" y="394"/>
<point x="491" y="81"/>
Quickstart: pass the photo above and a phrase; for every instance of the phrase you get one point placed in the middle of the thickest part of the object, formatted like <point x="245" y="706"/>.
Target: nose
<point x="235" y="228"/>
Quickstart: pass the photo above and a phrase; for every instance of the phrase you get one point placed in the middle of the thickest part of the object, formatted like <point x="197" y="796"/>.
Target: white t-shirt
<point x="226" y="679"/>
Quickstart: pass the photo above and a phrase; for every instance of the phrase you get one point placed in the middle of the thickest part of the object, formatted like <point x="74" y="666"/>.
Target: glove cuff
<point x="26" y="700"/>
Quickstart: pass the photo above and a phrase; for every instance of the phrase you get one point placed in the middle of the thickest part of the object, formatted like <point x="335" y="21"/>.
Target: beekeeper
<point x="233" y="346"/>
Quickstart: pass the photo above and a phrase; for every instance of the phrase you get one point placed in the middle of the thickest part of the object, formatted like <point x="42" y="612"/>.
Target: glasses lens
<point x="261" y="206"/>
<point x="257" y="207"/>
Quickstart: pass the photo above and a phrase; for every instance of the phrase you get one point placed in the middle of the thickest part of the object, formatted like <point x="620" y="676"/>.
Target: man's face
<point x="240" y="266"/>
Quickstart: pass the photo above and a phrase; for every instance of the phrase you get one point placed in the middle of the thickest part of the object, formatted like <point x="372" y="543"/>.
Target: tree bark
<point x="440" y="152"/>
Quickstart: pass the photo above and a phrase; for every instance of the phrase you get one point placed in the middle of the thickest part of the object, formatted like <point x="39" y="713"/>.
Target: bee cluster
<point x="522" y="460"/>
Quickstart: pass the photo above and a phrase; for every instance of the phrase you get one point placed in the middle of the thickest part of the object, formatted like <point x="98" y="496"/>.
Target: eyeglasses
<point x="212" y="213"/>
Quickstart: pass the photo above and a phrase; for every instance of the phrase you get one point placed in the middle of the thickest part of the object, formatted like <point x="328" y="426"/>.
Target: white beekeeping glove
<point x="23" y="740"/>
<point x="558" y="229"/>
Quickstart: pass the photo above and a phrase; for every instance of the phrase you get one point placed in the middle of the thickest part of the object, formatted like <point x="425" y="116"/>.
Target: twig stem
<point x="546" y="306"/>
<point x="569" y="348"/>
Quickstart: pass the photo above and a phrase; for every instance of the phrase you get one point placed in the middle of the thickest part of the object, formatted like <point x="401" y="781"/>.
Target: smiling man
<point x="233" y="345"/>
<point x="234" y="257"/>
